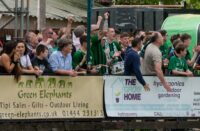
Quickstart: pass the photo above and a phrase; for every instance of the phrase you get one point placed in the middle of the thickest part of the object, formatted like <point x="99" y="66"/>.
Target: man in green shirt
<point x="178" y="64"/>
<point x="112" y="48"/>
<point x="164" y="47"/>
<point x="79" y="58"/>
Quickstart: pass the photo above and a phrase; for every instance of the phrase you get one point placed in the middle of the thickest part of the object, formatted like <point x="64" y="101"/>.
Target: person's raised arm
<point x="97" y="25"/>
<point x="105" y="24"/>
<point x="66" y="31"/>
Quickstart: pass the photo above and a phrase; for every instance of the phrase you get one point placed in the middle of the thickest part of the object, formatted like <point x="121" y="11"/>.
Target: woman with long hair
<point x="9" y="60"/>
<point x="25" y="62"/>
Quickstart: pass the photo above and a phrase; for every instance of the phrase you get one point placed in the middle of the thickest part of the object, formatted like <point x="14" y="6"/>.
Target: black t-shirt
<point x="3" y="70"/>
<point x="42" y="64"/>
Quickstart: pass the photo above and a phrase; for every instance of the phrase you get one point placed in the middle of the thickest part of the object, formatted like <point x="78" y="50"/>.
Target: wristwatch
<point x="15" y="62"/>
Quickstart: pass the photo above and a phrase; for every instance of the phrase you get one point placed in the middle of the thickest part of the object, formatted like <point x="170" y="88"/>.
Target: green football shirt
<point x="77" y="58"/>
<point x="98" y="53"/>
<point x="164" y="50"/>
<point x="178" y="64"/>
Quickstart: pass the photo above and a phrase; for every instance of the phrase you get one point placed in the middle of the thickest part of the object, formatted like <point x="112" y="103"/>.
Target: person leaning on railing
<point x="25" y="62"/>
<point x="177" y="64"/>
<point x="98" y="41"/>
<point x="9" y="60"/>
<point x="79" y="59"/>
<point x="40" y="61"/>
<point x="61" y="60"/>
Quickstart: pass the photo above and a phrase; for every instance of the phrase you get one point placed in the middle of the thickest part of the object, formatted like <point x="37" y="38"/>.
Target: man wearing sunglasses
<point x="47" y="39"/>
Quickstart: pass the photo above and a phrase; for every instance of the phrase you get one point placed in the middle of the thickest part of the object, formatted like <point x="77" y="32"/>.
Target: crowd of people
<point x="65" y="53"/>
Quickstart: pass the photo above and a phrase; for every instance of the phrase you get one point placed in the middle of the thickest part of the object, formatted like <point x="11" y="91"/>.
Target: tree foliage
<point x="193" y="4"/>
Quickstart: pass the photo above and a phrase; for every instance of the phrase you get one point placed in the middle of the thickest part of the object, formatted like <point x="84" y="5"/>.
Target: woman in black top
<point x="9" y="59"/>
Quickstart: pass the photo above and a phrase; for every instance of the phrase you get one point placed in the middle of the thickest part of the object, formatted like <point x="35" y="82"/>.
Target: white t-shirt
<point x="25" y="61"/>
<point x="76" y="41"/>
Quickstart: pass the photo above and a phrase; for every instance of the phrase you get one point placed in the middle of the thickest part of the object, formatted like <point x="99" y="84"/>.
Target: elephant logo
<point x="51" y="82"/>
<point x="61" y="84"/>
<point x="39" y="82"/>
<point x="29" y="83"/>
<point x="21" y="84"/>
<point x="69" y="84"/>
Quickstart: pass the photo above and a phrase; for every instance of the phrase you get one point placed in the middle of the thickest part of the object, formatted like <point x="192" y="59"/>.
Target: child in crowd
<point x="177" y="64"/>
<point x="171" y="49"/>
<point x="40" y="62"/>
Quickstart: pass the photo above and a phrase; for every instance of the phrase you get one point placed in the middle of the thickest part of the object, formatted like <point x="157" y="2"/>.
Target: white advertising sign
<point x="125" y="97"/>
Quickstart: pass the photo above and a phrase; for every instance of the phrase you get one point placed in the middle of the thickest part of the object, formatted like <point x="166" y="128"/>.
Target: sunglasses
<point x="51" y="33"/>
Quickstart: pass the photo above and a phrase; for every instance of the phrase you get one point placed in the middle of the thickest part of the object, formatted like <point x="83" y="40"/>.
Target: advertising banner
<point x="125" y="97"/>
<point x="51" y="97"/>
